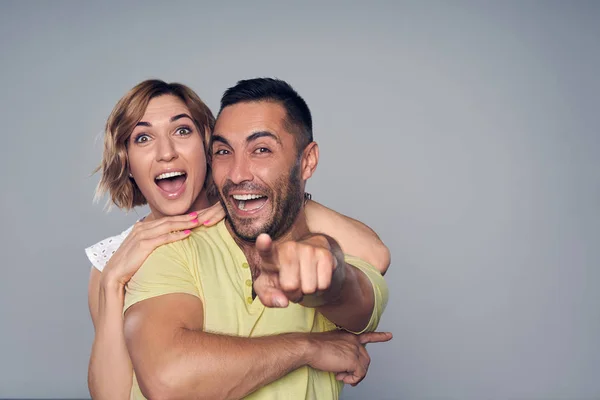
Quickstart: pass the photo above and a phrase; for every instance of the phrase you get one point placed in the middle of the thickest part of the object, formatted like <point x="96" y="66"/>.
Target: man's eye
<point x="262" y="150"/>
<point x="221" y="152"/>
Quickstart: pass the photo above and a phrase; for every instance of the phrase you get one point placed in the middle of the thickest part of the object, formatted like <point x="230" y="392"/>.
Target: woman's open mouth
<point x="172" y="184"/>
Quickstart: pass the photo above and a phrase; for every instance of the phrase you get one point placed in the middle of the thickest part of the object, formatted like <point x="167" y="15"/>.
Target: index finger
<point x="266" y="251"/>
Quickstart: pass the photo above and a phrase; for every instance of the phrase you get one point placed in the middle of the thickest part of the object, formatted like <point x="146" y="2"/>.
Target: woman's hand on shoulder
<point x="148" y="235"/>
<point x="212" y="215"/>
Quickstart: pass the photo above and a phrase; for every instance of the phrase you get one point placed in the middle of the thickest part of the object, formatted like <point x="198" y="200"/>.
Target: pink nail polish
<point x="187" y="231"/>
<point x="206" y="222"/>
<point x="194" y="221"/>
<point x="193" y="214"/>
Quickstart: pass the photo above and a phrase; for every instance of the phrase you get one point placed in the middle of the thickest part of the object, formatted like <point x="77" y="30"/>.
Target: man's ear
<point x="310" y="159"/>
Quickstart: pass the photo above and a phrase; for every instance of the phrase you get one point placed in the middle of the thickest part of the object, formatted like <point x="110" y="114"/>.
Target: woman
<point x="155" y="153"/>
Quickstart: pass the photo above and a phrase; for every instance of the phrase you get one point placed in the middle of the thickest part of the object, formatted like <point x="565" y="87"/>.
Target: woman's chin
<point x="172" y="208"/>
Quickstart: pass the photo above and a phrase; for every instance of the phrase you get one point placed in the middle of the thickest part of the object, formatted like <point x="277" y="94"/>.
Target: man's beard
<point x="289" y="198"/>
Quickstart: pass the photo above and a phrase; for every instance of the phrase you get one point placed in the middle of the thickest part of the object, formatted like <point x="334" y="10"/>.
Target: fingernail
<point x="187" y="231"/>
<point x="277" y="302"/>
<point x="193" y="214"/>
<point x="194" y="221"/>
<point x="206" y="222"/>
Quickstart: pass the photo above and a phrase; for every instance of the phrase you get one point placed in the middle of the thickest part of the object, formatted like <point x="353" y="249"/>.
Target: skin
<point x="253" y="153"/>
<point x="174" y="358"/>
<point x="162" y="146"/>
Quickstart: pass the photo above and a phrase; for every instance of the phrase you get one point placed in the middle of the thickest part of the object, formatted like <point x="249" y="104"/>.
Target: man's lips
<point x="247" y="204"/>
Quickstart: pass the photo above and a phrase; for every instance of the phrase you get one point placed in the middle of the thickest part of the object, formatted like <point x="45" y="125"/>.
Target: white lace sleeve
<point x="100" y="253"/>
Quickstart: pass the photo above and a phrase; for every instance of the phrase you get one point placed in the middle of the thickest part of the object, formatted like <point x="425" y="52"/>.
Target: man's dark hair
<point x="298" y="120"/>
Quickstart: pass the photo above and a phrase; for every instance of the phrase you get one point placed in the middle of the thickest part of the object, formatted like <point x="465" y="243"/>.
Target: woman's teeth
<point x="169" y="175"/>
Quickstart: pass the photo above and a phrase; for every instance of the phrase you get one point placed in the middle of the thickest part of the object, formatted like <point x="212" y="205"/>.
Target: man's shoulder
<point x="203" y="240"/>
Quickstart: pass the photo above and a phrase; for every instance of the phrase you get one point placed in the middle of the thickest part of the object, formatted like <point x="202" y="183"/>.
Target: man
<point x="250" y="306"/>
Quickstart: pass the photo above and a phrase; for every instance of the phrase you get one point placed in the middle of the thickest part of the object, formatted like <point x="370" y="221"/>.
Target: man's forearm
<point x="353" y="305"/>
<point x="349" y="302"/>
<point x="210" y="366"/>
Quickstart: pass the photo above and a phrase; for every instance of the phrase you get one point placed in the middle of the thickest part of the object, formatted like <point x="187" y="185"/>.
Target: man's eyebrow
<point x="173" y="119"/>
<point x="260" y="134"/>
<point x="218" y="138"/>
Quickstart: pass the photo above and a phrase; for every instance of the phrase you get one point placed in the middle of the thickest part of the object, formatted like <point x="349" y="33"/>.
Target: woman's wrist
<point x="111" y="284"/>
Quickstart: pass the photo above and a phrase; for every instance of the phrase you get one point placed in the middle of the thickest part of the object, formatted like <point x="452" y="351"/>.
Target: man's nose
<point x="240" y="171"/>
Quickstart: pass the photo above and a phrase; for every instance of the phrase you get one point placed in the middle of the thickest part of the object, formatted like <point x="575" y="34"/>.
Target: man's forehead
<point x="247" y="117"/>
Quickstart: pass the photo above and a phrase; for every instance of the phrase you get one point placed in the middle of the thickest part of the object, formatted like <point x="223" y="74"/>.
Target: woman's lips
<point x="172" y="188"/>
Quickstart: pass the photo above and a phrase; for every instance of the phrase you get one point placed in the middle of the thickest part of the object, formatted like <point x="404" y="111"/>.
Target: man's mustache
<point x="229" y="187"/>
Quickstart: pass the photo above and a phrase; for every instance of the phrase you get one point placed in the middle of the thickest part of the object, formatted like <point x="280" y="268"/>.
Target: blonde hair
<point x="130" y="109"/>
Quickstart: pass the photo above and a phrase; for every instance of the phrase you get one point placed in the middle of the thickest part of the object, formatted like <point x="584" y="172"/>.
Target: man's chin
<point x="247" y="230"/>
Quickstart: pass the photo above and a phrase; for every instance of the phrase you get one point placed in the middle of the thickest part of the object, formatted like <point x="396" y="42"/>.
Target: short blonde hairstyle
<point x="114" y="167"/>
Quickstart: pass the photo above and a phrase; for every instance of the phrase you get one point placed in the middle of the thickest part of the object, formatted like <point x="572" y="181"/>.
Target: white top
<point x="101" y="252"/>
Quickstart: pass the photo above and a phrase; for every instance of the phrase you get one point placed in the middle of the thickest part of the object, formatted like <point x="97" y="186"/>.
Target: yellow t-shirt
<point x="210" y="265"/>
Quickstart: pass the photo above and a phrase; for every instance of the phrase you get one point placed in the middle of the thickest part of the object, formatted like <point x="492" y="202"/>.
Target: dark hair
<point x="298" y="121"/>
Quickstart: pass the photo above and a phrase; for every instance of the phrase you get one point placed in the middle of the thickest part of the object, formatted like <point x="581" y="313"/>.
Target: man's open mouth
<point x="249" y="202"/>
<point x="171" y="182"/>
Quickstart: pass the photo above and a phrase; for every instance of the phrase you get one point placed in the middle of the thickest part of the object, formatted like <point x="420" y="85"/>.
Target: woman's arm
<point x="110" y="371"/>
<point x="353" y="236"/>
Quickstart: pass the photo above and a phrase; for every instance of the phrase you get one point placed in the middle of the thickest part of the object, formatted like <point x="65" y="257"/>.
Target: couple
<point x="267" y="302"/>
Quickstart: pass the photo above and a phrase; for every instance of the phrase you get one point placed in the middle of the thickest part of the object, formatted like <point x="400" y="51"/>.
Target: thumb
<point x="269" y="295"/>
<point x="374" y="337"/>
<point x="266" y="250"/>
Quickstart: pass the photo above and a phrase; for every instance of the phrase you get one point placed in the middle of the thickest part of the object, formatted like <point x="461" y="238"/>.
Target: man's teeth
<point x="247" y="196"/>
<point x="169" y="175"/>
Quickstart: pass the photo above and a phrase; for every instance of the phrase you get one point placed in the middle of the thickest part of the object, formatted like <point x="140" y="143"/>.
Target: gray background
<point x="465" y="133"/>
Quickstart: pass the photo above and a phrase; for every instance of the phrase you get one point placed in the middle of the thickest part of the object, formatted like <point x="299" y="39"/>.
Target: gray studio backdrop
<point x="465" y="133"/>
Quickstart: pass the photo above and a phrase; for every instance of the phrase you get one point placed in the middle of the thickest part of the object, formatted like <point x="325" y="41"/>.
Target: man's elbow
<point x="168" y="383"/>
<point x="155" y="384"/>
<point x="383" y="260"/>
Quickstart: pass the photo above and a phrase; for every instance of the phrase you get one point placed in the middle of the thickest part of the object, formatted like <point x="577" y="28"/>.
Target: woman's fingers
<point x="176" y="218"/>
<point x="169" y="238"/>
<point x="211" y="215"/>
<point x="167" y="227"/>
<point x="152" y="229"/>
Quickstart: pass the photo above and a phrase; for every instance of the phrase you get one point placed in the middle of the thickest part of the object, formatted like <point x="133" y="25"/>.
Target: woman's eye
<point x="142" y="138"/>
<point x="183" y="131"/>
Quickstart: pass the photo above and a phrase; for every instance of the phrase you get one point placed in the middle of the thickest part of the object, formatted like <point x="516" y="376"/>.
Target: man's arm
<point x="356" y="301"/>
<point x="353" y="236"/>
<point x="174" y="359"/>
<point x="313" y="271"/>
